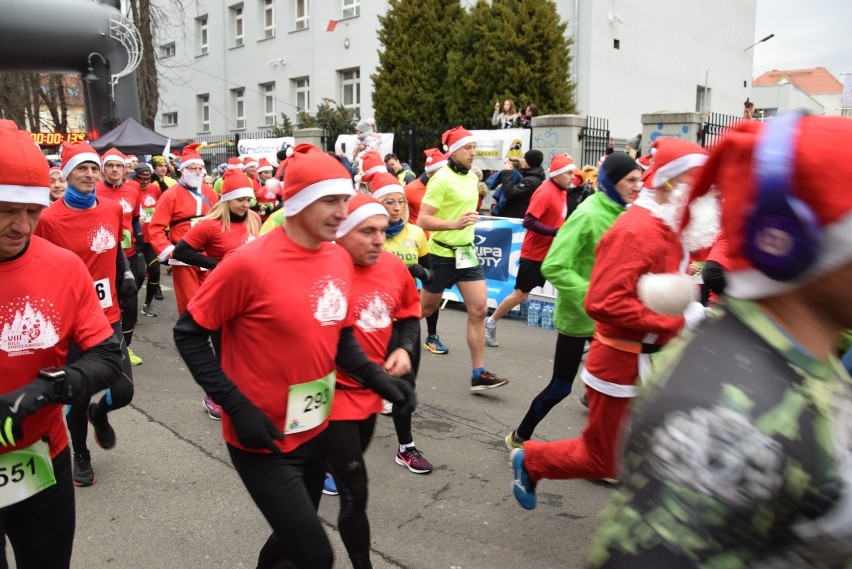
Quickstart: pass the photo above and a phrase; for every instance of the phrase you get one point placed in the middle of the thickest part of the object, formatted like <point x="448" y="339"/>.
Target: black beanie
<point x="534" y="158"/>
<point x="617" y="165"/>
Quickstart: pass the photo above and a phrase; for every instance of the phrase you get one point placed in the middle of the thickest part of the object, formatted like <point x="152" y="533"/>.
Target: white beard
<point x="703" y="223"/>
<point x="192" y="180"/>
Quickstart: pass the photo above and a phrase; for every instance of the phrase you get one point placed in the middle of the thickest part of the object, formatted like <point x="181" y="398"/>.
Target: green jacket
<point x="569" y="261"/>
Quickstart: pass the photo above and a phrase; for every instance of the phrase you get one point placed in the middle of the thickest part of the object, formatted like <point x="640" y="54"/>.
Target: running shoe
<point x="104" y="433"/>
<point x="214" y="411"/>
<point x="329" y="487"/>
<point x="491" y="337"/>
<point x="83" y="473"/>
<point x="158" y="294"/>
<point x="512" y="443"/>
<point x="413" y="460"/>
<point x="134" y="359"/>
<point x="434" y="345"/>
<point x="148" y="310"/>
<point x="486" y="380"/>
<point x="522" y="486"/>
<point x="387" y="407"/>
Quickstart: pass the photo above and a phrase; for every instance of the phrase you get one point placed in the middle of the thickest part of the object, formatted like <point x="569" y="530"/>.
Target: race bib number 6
<point x="103" y="290"/>
<point x="309" y="404"/>
<point x="25" y="473"/>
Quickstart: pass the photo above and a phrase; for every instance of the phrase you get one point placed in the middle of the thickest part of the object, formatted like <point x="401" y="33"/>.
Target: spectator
<point x="525" y="118"/>
<point x="518" y="195"/>
<point x="508" y="118"/>
<point x="401" y="170"/>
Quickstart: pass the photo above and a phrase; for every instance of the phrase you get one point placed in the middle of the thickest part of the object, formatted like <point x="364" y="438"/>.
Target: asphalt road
<point x="167" y="495"/>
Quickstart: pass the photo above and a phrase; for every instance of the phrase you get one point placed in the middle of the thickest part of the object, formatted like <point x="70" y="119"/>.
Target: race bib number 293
<point x="309" y="404"/>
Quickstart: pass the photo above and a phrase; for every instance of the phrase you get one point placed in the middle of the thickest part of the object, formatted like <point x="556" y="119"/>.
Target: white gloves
<point x="694" y="315"/>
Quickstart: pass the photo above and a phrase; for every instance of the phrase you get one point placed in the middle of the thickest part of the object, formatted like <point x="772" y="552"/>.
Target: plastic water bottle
<point x="524" y="310"/>
<point x="534" y="314"/>
<point x="547" y="316"/>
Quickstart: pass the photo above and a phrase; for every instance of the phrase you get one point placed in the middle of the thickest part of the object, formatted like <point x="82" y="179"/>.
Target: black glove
<point x="396" y="390"/>
<point x="128" y="288"/>
<point x="16" y="405"/>
<point x="251" y="425"/>
<point x="418" y="271"/>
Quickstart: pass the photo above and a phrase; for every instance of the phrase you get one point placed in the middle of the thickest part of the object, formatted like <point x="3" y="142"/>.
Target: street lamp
<point x="90" y="70"/>
<point x="767" y="38"/>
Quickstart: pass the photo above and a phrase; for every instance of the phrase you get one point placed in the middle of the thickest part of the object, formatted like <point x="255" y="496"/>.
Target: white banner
<point x="846" y="99"/>
<point x="266" y="147"/>
<point x="494" y="146"/>
<point x="346" y="143"/>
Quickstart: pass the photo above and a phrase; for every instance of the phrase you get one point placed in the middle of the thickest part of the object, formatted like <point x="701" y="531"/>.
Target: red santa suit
<point x="179" y="208"/>
<point x="127" y="196"/>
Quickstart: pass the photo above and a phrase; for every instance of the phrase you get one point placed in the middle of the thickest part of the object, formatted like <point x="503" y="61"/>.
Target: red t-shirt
<point x="381" y="293"/>
<point x="207" y="235"/>
<point x="550" y="206"/>
<point x="414" y="191"/>
<point x="281" y="308"/>
<point x="265" y="195"/>
<point x="127" y="196"/>
<point x="46" y="301"/>
<point x="148" y="197"/>
<point x="94" y="235"/>
<point x="177" y="209"/>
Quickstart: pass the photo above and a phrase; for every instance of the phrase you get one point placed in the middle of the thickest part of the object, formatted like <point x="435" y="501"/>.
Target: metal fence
<point x="714" y="127"/>
<point x="219" y="147"/>
<point x="594" y="136"/>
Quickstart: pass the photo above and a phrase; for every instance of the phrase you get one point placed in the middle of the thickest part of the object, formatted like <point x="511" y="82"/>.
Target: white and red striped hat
<point x="435" y="159"/>
<point x="264" y="165"/>
<point x="75" y="153"/>
<point x="382" y="184"/>
<point x="235" y="185"/>
<point x="561" y="164"/>
<point x="455" y="138"/>
<point x="23" y="169"/>
<point x="190" y="155"/>
<point x="361" y="206"/>
<point x="113" y="155"/>
<point x="310" y="175"/>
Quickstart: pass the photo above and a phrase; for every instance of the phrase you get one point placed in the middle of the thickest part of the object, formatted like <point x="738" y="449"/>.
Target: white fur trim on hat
<point x="309" y="194"/>
<point x="238" y="193"/>
<point x="389" y="189"/>
<point x="677" y="167"/>
<point x="78" y="159"/>
<point x="369" y="209"/>
<point x="375" y="170"/>
<point x="461" y="142"/>
<point x="667" y="293"/>
<point x="436" y="166"/>
<point x="235" y="166"/>
<point x="836" y="251"/>
<point x="568" y="168"/>
<point x="267" y="168"/>
<point x="112" y="158"/>
<point x="25" y="194"/>
<point x="190" y="162"/>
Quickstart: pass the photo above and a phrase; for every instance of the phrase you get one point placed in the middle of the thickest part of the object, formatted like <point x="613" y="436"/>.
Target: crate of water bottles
<point x="540" y="314"/>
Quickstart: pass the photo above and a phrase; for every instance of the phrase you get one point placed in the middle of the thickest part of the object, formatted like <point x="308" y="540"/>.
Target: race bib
<point x="145" y="215"/>
<point x="126" y="239"/>
<point x="102" y="289"/>
<point x="466" y="257"/>
<point x="25" y="473"/>
<point x="309" y="404"/>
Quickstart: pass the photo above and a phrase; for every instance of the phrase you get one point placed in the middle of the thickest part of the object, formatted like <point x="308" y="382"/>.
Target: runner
<point x="149" y="194"/>
<point x="264" y="399"/>
<point x="51" y="288"/>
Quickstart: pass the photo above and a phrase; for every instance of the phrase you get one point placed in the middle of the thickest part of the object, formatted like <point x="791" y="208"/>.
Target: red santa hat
<point x="361" y="206"/>
<point x="234" y="163"/>
<point x="434" y="159"/>
<point x="263" y="165"/>
<point x="561" y="164"/>
<point x="112" y="155"/>
<point x="23" y="170"/>
<point x="56" y="169"/>
<point x="455" y="138"/>
<point x="128" y="159"/>
<point x="816" y="171"/>
<point x="372" y="163"/>
<point x="249" y="162"/>
<point x="644" y="161"/>
<point x="671" y="157"/>
<point x="382" y="184"/>
<point x="190" y="155"/>
<point x="75" y="153"/>
<point x="310" y="175"/>
<point x="235" y="185"/>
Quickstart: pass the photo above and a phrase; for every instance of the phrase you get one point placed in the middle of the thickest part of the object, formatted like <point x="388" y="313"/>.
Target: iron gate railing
<point x="594" y="137"/>
<point x="713" y="129"/>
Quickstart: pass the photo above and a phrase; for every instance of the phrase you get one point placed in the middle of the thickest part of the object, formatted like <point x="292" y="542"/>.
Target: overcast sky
<point x="808" y="33"/>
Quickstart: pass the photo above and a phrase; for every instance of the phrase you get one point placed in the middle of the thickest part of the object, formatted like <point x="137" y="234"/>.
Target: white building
<point x="235" y="65"/>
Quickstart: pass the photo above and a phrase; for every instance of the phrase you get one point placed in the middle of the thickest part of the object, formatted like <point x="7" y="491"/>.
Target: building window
<point x="350" y="82"/>
<point x="702" y="99"/>
<point x="72" y="92"/>
<point x="268" y="18"/>
<point x="302" y="92"/>
<point x="169" y="119"/>
<point x="204" y="112"/>
<point x="201" y="25"/>
<point x="167" y="50"/>
<point x="268" y="91"/>
<point x="239" y="99"/>
<point x="616" y="44"/>
<point x="351" y="8"/>
<point x="238" y="27"/>
<point x="302" y="14"/>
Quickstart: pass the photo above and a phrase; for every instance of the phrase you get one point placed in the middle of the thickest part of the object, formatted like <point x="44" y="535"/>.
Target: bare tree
<point x="144" y="17"/>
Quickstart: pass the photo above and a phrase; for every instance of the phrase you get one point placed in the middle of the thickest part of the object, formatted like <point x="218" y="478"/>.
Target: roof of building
<point x="812" y="81"/>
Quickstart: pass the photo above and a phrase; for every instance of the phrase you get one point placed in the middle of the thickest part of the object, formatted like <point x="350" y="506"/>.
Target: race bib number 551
<point x="309" y="404"/>
<point x="25" y="473"/>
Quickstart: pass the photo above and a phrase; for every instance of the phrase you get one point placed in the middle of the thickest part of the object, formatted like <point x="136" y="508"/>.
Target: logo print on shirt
<point x="149" y="201"/>
<point x="249" y="239"/>
<point x="101" y="238"/>
<point x="328" y="301"/>
<point x="374" y="312"/>
<point x="125" y="205"/>
<point x="28" y="326"/>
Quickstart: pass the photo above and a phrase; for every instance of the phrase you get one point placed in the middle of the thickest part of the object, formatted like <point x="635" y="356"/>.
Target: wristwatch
<point x="58" y="377"/>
